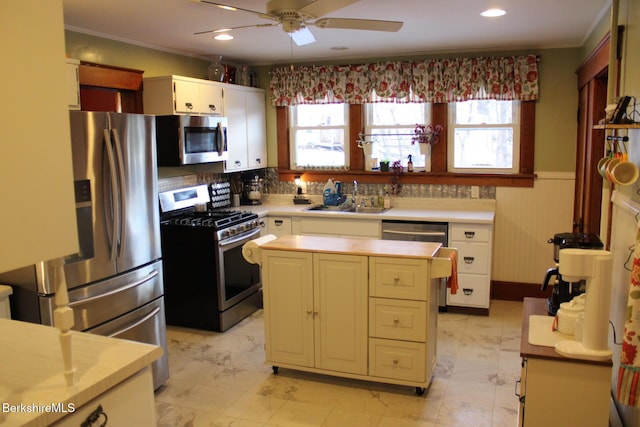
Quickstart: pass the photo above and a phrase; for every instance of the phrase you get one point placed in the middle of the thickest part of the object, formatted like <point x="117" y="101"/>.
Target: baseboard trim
<point x="514" y="291"/>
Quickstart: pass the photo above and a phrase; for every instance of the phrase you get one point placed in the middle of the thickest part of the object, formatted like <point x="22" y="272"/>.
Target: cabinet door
<point x="236" y="131"/>
<point x="256" y="130"/>
<point x="287" y="279"/>
<point x="186" y="96"/>
<point x="211" y="99"/>
<point x="340" y="311"/>
<point x="73" y="85"/>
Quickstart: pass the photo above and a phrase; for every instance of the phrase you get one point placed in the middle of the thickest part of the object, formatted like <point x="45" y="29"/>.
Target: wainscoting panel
<point x="526" y="218"/>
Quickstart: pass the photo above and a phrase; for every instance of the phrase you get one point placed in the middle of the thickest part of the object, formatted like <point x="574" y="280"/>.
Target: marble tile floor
<point x="220" y="379"/>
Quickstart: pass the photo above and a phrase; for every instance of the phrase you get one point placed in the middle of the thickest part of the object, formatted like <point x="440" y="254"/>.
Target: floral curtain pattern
<point x="434" y="80"/>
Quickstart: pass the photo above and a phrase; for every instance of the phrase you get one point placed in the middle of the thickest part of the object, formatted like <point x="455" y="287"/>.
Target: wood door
<point x="592" y="87"/>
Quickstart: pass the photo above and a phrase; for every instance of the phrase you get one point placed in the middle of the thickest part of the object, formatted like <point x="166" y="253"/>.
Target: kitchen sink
<point x="357" y="209"/>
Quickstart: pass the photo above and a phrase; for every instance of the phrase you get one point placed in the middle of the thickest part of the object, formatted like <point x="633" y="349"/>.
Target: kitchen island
<point x="355" y="308"/>
<point x="111" y="374"/>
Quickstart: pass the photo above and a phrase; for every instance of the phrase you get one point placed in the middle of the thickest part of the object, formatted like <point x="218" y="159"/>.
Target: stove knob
<point x="224" y="234"/>
<point x="232" y="231"/>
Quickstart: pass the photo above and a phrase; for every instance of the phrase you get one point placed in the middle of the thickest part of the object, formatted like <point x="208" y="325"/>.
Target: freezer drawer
<point x="102" y="301"/>
<point x="146" y="325"/>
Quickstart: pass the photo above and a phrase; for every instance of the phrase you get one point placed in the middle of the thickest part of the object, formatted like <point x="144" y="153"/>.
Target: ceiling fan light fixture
<point x="492" y="13"/>
<point x="224" y="37"/>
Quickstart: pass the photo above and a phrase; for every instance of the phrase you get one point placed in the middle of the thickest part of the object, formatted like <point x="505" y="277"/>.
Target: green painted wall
<point x="555" y="110"/>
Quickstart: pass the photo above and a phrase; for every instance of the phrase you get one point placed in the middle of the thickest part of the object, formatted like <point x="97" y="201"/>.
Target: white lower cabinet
<point x="279" y="226"/>
<point x="130" y="403"/>
<point x="474" y="243"/>
<point x="337" y="227"/>
<point x="365" y="317"/>
<point x="315" y="310"/>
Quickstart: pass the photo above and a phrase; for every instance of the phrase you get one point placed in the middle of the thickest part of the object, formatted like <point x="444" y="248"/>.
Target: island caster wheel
<point x="275" y="370"/>
<point x="419" y="391"/>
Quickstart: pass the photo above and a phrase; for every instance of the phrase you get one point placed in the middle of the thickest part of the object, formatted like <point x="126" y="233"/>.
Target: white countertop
<point x="31" y="370"/>
<point x="478" y="211"/>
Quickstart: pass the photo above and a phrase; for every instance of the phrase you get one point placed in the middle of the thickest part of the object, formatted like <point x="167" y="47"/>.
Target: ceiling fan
<point x="295" y="16"/>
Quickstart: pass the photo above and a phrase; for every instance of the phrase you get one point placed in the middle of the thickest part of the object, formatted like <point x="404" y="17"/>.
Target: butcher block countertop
<point x="31" y="370"/>
<point x="354" y="246"/>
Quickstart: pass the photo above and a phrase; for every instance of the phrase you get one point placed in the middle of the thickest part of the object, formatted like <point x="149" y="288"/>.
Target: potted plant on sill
<point x="426" y="136"/>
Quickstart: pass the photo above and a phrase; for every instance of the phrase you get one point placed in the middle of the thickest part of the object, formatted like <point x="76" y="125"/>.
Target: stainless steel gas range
<point x="207" y="282"/>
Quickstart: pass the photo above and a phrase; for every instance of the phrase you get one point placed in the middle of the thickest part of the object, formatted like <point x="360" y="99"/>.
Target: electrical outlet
<point x="475" y="192"/>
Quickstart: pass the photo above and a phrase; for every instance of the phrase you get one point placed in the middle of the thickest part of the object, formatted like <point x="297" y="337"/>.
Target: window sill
<point x="519" y="180"/>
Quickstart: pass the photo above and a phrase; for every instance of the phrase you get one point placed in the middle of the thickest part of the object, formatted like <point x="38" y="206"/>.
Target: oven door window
<point x="200" y="140"/>
<point x="241" y="279"/>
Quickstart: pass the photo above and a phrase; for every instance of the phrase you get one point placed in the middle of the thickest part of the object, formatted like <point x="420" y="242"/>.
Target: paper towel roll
<point x="251" y="249"/>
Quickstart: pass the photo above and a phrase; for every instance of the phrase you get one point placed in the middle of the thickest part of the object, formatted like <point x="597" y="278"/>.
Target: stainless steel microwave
<point x="187" y="140"/>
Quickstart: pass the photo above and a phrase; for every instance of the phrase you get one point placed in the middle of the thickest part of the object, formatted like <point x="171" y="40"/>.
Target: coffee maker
<point x="563" y="290"/>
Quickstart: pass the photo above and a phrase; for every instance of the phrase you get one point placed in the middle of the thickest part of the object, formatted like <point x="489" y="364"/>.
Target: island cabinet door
<point x="340" y="311"/>
<point x="287" y="280"/>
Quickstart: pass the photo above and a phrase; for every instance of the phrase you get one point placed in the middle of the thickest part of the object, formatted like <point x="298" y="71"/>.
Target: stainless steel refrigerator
<point x="115" y="281"/>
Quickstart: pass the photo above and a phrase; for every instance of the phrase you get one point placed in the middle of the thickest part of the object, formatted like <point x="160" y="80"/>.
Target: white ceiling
<point x="430" y="26"/>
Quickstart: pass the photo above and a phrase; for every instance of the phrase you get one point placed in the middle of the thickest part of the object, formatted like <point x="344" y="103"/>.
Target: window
<point x="389" y="127"/>
<point x="484" y="137"/>
<point x="319" y="136"/>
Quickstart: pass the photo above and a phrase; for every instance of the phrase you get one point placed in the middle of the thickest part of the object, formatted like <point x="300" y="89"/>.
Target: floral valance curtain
<point x="432" y="80"/>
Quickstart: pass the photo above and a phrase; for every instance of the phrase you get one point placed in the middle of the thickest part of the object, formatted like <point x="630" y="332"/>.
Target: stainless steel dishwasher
<point x="420" y="231"/>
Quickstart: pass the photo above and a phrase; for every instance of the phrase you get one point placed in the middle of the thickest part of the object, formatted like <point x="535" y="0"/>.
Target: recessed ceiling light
<point x="492" y="13"/>
<point x="224" y="37"/>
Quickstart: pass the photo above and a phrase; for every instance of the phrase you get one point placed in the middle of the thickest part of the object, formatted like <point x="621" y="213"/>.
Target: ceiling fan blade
<point x="302" y="37"/>
<point x="359" y="24"/>
<point x="320" y="8"/>
<point x="223" y="30"/>
<point x="234" y="8"/>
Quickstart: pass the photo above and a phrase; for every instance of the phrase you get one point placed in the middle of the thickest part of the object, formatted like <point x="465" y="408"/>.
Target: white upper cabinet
<point x="182" y="95"/>
<point x="73" y="84"/>
<point x="244" y="108"/>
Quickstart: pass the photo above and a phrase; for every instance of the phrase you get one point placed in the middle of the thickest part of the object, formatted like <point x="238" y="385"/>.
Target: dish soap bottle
<point x="410" y="164"/>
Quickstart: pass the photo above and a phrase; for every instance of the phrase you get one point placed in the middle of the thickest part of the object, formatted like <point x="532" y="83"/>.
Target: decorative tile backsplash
<point x="272" y="185"/>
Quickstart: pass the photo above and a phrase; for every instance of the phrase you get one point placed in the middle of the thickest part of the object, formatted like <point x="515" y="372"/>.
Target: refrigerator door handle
<point x="113" y="207"/>
<point x="121" y="191"/>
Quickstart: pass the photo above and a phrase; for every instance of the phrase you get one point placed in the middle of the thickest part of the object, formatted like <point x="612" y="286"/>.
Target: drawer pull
<point x="467" y="291"/>
<point x="309" y="311"/>
<point x="188" y="105"/>
<point x="278" y="222"/>
<point x="395" y="361"/>
<point x="396" y="320"/>
<point x="469" y="259"/>
<point x="212" y="107"/>
<point x="469" y="234"/>
<point x="396" y="279"/>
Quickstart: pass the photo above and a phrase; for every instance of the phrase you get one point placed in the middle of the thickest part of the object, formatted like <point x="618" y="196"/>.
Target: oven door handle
<point x="240" y="238"/>
<point x="417" y="233"/>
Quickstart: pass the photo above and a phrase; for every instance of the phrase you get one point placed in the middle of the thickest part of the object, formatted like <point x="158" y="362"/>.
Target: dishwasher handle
<point x="417" y="233"/>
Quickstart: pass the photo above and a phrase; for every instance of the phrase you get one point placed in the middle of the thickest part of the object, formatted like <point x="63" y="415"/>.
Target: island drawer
<point x="398" y="278"/>
<point x="397" y="359"/>
<point x="398" y="319"/>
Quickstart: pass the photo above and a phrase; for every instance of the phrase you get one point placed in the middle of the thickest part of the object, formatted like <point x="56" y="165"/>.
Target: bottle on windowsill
<point x="410" y="164"/>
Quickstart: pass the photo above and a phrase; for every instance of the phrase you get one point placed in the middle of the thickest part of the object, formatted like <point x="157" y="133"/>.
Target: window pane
<point x="394" y="148"/>
<point x="484" y="112"/>
<point x="319" y="115"/>
<point x="320" y="147"/>
<point x="483" y="148"/>
<point x="385" y="114"/>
